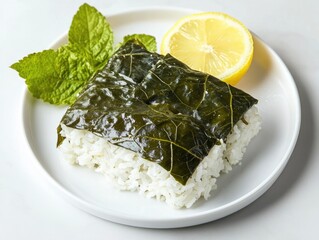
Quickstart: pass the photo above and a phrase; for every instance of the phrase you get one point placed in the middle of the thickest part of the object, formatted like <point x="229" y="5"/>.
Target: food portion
<point x="147" y="121"/>
<point x="211" y="42"/>
<point x="153" y="125"/>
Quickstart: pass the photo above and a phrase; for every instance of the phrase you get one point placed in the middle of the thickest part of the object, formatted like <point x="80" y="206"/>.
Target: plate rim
<point x="196" y="218"/>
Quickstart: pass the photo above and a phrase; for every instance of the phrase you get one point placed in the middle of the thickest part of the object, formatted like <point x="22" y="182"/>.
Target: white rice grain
<point x="130" y="172"/>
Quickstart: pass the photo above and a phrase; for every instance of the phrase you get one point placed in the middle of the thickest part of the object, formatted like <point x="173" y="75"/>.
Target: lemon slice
<point x="211" y="42"/>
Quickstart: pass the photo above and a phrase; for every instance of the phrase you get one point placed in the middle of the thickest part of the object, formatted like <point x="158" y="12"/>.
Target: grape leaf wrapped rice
<point x="153" y="125"/>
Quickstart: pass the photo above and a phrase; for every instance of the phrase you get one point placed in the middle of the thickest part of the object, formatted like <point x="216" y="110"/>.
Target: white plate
<point x="268" y="79"/>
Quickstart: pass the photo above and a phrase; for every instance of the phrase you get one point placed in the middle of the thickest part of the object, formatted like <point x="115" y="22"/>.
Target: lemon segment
<point x="211" y="42"/>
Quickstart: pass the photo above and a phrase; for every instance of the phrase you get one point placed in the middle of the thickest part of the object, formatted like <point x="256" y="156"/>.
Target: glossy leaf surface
<point x="158" y="107"/>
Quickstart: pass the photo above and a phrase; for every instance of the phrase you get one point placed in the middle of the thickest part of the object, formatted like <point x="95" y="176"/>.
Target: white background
<point x="29" y="209"/>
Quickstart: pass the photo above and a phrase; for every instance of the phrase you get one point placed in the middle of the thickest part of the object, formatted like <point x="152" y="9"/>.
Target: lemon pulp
<point x="212" y="42"/>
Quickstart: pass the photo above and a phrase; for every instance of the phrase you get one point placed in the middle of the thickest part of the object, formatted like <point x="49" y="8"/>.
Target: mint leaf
<point x="36" y="67"/>
<point x="57" y="76"/>
<point x="91" y="36"/>
<point x="148" y="41"/>
<point x="74" y="71"/>
<point x="42" y="73"/>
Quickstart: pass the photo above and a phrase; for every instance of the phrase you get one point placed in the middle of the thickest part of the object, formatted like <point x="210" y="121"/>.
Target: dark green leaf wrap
<point x="158" y="107"/>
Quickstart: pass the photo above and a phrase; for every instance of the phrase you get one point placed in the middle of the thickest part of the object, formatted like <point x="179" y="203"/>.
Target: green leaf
<point x="36" y="65"/>
<point x="74" y="71"/>
<point x="91" y="36"/>
<point x="48" y="77"/>
<point x="158" y="107"/>
<point x="35" y="68"/>
<point x="148" y="41"/>
<point x="57" y="76"/>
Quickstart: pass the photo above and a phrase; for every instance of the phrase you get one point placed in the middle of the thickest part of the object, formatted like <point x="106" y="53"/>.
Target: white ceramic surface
<point x="268" y="80"/>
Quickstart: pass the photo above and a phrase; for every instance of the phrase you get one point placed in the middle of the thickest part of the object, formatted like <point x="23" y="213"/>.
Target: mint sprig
<point x="57" y="76"/>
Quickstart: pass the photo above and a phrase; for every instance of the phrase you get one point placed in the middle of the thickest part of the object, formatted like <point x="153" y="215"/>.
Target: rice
<point x="130" y="172"/>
